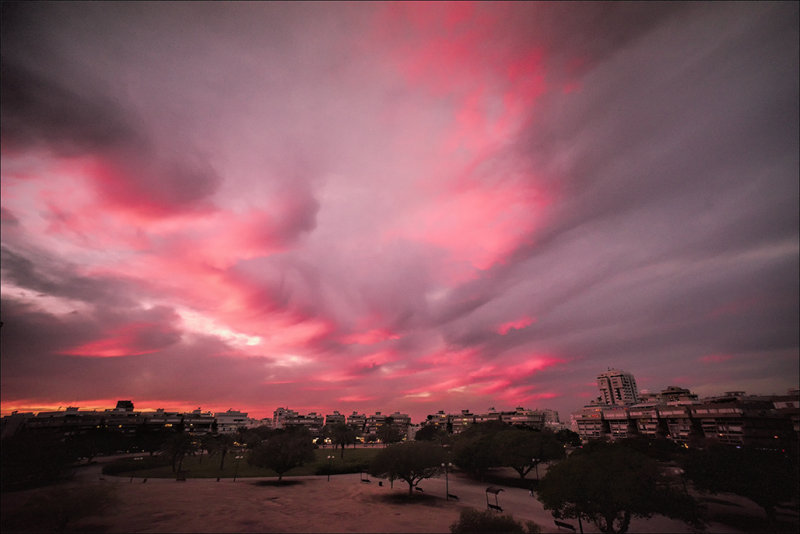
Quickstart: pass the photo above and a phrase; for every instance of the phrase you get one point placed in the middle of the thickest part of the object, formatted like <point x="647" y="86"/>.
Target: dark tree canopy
<point x="31" y="459"/>
<point x="608" y="485"/>
<point x="431" y="433"/>
<point x="523" y="450"/>
<point x="568" y="437"/>
<point x="220" y="444"/>
<point x="473" y="449"/>
<point x="411" y="461"/>
<point x="283" y="450"/>
<point x="768" y="478"/>
<point x="341" y="435"/>
<point x="660" y="449"/>
<point x="388" y="432"/>
<point x="473" y="521"/>
<point x="176" y="447"/>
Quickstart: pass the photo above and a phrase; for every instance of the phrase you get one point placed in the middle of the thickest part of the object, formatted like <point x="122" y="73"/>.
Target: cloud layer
<point x="396" y="206"/>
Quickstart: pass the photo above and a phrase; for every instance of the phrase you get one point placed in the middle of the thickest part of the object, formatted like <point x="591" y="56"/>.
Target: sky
<point x="396" y="206"/>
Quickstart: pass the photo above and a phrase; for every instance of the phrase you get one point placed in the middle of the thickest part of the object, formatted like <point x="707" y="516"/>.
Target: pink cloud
<point x="715" y="358"/>
<point x="128" y="340"/>
<point x="372" y="337"/>
<point x="355" y="398"/>
<point x="736" y="307"/>
<point x="379" y="214"/>
<point x="518" y="324"/>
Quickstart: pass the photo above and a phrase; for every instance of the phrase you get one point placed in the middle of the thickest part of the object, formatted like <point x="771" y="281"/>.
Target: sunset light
<point x="395" y="206"/>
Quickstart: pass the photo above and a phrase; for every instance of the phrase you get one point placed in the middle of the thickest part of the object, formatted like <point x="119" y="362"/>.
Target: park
<point x="404" y="487"/>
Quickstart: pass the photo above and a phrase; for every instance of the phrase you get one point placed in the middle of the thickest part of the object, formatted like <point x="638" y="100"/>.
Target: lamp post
<point x="446" y="481"/>
<point x="236" y="471"/>
<point x="330" y="459"/>
<point x="536" y="466"/>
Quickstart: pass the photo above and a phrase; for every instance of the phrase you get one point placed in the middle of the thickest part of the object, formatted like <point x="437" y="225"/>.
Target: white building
<point x="617" y="387"/>
<point x="283" y="415"/>
<point x="229" y="421"/>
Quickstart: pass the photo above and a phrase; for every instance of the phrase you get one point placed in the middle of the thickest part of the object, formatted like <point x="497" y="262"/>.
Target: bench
<point x="451" y="496"/>
<point x="561" y="524"/>
<point x="494" y="491"/>
<point x="419" y="489"/>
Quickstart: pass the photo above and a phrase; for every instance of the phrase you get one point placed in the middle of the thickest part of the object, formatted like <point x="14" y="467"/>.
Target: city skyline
<point x="396" y="206"/>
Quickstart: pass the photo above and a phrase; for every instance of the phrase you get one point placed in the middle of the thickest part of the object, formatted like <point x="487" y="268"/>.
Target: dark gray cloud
<point x="52" y="100"/>
<point x="46" y="274"/>
<point x="334" y="171"/>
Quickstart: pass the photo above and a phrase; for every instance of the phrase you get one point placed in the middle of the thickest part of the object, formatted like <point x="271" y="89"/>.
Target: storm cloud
<point x="396" y="206"/>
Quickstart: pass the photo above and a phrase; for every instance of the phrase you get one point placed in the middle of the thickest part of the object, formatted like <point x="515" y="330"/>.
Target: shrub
<point x="59" y="508"/>
<point x="33" y="459"/>
<point x="472" y="520"/>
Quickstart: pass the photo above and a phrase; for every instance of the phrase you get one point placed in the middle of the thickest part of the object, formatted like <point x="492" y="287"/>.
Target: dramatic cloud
<point x="396" y="206"/>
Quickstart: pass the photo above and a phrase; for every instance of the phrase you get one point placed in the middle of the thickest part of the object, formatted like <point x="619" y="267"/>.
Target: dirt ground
<point x="313" y="504"/>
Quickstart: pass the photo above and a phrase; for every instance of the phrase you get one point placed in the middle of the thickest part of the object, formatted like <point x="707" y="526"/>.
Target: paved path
<point x="316" y="505"/>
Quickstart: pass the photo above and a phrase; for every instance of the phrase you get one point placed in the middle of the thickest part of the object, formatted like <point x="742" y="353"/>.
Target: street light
<point x="236" y="471"/>
<point x="536" y="466"/>
<point x="330" y="459"/>
<point x="446" y="481"/>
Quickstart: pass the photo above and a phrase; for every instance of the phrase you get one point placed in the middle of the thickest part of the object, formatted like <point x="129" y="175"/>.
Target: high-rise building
<point x="617" y="387"/>
<point x="334" y="419"/>
<point x="124" y="405"/>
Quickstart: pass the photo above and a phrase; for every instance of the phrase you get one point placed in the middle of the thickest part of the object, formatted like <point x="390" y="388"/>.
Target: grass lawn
<point x="208" y="466"/>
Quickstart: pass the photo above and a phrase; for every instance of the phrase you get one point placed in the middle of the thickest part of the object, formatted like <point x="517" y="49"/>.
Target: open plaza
<point x="345" y="503"/>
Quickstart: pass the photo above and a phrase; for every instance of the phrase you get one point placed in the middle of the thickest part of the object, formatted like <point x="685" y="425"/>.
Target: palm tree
<point x="177" y="447"/>
<point x="221" y="444"/>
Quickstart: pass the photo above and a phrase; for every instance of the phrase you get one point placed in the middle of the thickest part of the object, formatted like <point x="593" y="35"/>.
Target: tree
<point x="473" y="450"/>
<point x="609" y="485"/>
<point x="765" y="477"/>
<point x="150" y="439"/>
<point x="31" y="459"/>
<point x="250" y="439"/>
<point x="472" y="520"/>
<point x="388" y="432"/>
<point x="341" y="435"/>
<point x="568" y="437"/>
<point x="431" y="433"/>
<point x="661" y="449"/>
<point x="283" y="450"/>
<point x="524" y="450"/>
<point x="221" y="444"/>
<point x="177" y="447"/>
<point x="411" y="461"/>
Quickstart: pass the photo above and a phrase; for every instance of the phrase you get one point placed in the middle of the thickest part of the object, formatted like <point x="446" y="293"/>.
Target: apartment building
<point x="646" y="421"/>
<point x="733" y="418"/>
<point x="457" y="423"/>
<point x="334" y="419"/>
<point x="524" y="417"/>
<point x="281" y="415"/>
<point x="374" y="422"/>
<point x="589" y="422"/>
<point x="617" y="387"/>
<point x="461" y="421"/>
<point x="229" y="421"/>
<point x="357" y="421"/>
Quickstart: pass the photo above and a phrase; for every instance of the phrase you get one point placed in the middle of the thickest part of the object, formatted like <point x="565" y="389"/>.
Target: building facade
<point x="617" y="387"/>
<point x="732" y="419"/>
